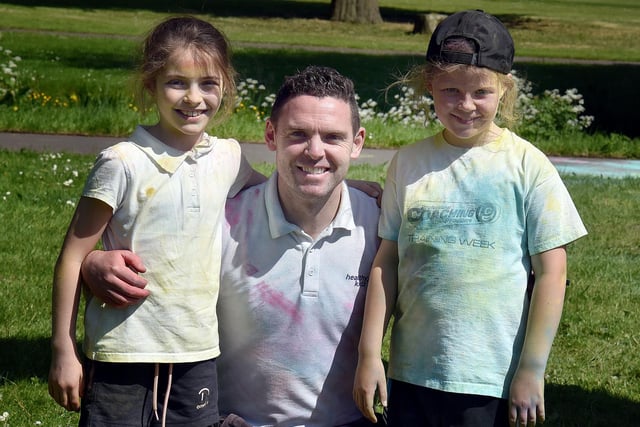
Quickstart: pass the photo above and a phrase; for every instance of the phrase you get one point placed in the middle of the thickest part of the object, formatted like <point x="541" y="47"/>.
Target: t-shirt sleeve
<point x="552" y="218"/>
<point x="107" y="179"/>
<point x="391" y="213"/>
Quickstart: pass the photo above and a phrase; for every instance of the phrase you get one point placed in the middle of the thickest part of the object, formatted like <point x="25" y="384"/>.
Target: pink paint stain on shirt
<point x="233" y="215"/>
<point x="279" y="301"/>
<point x="233" y="211"/>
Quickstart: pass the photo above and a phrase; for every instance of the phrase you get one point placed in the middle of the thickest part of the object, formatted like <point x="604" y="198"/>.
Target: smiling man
<point x="297" y="251"/>
<point x="295" y="267"/>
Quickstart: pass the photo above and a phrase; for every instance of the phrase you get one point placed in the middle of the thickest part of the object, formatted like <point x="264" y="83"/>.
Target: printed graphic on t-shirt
<point x="436" y="223"/>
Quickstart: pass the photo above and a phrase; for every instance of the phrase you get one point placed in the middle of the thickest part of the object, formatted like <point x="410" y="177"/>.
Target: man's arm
<point x="526" y="400"/>
<point x="113" y="277"/>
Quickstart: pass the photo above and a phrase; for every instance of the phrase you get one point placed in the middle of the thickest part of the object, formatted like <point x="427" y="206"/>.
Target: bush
<point x="13" y="82"/>
<point x="550" y="113"/>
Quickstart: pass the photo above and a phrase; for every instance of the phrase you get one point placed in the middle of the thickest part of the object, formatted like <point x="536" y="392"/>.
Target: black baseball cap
<point x="493" y="43"/>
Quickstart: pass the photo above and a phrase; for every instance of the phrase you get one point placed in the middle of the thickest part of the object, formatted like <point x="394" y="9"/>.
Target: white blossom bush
<point x="254" y="98"/>
<point x="13" y="82"/>
<point x="406" y="108"/>
<point x="549" y="113"/>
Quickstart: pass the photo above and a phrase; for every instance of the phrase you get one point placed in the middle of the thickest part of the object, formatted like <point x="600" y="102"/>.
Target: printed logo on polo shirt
<point x="358" y="279"/>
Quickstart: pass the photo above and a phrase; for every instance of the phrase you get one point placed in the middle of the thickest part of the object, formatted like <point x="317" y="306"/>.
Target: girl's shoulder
<point x="428" y="144"/>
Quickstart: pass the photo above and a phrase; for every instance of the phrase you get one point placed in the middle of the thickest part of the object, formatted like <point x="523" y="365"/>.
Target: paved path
<point x="258" y="153"/>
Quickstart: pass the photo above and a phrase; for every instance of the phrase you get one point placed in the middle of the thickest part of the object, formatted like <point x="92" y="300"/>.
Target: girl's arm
<point x="370" y="188"/>
<point x="65" y="374"/>
<point x="526" y="400"/>
<point x="254" y="179"/>
<point x="380" y="301"/>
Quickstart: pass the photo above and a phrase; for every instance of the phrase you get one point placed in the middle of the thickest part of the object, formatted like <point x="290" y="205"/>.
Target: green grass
<point x="87" y="48"/>
<point x="578" y="29"/>
<point x="593" y="375"/>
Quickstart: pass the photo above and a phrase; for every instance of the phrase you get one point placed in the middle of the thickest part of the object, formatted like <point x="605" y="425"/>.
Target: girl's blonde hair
<point x="208" y="46"/>
<point x="421" y="77"/>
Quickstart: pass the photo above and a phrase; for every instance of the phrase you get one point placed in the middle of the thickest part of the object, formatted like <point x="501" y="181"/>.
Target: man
<point x="297" y="251"/>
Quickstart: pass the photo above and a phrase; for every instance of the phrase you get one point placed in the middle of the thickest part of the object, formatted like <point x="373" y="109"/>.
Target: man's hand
<point x="113" y="277"/>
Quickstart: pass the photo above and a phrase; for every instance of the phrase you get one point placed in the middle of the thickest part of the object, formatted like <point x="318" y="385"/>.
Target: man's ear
<point x="270" y="135"/>
<point x="358" y="142"/>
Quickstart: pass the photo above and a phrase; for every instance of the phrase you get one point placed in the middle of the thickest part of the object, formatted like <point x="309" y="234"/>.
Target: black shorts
<point x="411" y="405"/>
<point x="121" y="394"/>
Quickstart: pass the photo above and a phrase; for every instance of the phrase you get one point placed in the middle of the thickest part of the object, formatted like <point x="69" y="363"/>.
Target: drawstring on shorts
<point x="156" y="375"/>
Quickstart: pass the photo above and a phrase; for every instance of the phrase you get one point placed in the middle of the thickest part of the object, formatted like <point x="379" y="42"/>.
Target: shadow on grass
<point x="22" y="358"/>
<point x="571" y="406"/>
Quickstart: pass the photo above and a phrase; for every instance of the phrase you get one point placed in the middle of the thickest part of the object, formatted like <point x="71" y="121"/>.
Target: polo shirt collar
<point x="165" y="157"/>
<point x="279" y="226"/>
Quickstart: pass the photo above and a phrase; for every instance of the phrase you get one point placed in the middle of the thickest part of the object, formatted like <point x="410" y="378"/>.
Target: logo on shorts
<point x="203" y="398"/>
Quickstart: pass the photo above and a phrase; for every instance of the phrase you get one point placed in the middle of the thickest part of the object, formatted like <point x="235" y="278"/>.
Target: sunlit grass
<point x="593" y="361"/>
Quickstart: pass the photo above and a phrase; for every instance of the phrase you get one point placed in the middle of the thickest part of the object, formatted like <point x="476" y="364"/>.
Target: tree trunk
<point x="426" y="23"/>
<point x="360" y="11"/>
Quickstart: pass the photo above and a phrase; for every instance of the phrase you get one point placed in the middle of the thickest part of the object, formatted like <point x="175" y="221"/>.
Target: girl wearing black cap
<point x="466" y="215"/>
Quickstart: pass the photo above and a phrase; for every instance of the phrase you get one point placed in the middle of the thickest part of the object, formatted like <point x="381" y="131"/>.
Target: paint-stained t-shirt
<point x="466" y="221"/>
<point x="168" y="207"/>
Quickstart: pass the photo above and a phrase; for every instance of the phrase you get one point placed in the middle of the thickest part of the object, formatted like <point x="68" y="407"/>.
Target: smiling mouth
<point x="465" y="119"/>
<point x="190" y="113"/>
<point x="313" y="171"/>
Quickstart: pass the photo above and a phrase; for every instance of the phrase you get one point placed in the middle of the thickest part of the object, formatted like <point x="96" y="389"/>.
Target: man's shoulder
<point x="364" y="207"/>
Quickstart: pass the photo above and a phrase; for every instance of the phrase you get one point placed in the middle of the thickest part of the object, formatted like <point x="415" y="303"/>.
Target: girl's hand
<point x="370" y="188"/>
<point x="526" y="398"/>
<point x="66" y="381"/>
<point x="369" y="377"/>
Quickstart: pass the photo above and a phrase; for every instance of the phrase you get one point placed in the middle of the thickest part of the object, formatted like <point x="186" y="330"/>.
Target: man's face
<point x="314" y="143"/>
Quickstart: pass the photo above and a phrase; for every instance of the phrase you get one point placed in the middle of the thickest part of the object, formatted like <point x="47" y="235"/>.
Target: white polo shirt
<point x="167" y="207"/>
<point x="291" y="310"/>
